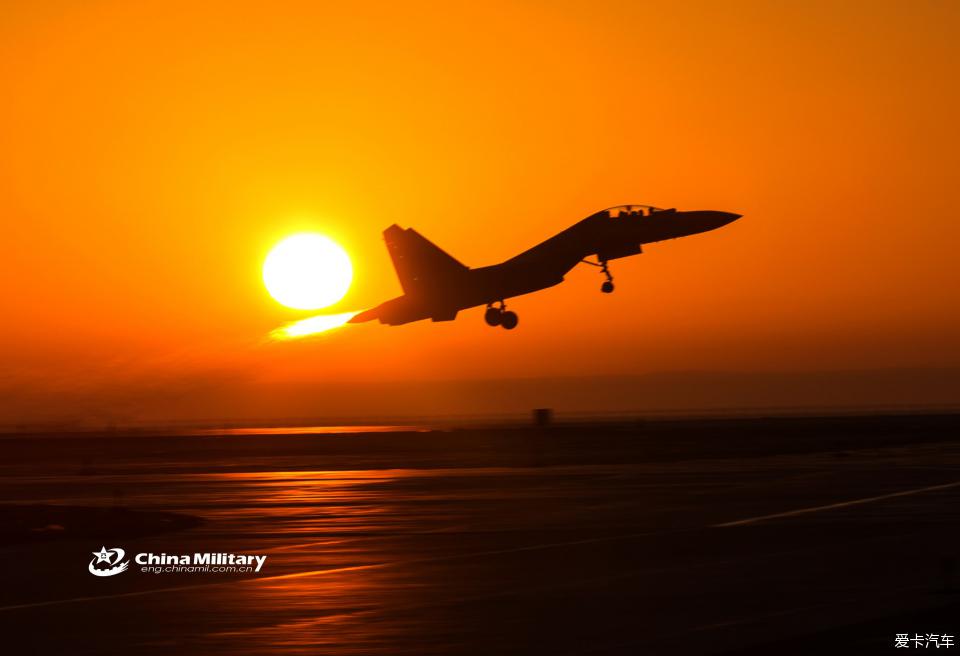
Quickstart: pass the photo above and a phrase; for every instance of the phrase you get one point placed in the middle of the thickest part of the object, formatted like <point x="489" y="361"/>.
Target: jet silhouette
<point x="436" y="286"/>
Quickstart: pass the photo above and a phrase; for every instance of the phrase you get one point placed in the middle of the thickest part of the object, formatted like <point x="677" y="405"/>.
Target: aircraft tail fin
<point x="419" y="263"/>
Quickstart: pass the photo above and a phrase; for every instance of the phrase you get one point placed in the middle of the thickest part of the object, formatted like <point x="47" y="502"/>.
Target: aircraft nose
<point x="715" y="219"/>
<point x="706" y="220"/>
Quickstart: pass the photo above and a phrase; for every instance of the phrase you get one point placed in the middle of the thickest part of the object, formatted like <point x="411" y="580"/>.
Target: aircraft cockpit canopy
<point x="630" y="211"/>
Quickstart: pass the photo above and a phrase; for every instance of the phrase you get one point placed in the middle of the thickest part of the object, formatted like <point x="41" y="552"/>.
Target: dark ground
<point x="666" y="537"/>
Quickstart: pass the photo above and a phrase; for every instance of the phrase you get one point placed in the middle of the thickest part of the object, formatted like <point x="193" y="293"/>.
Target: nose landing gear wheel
<point x="607" y="286"/>
<point x="509" y="320"/>
<point x="493" y="316"/>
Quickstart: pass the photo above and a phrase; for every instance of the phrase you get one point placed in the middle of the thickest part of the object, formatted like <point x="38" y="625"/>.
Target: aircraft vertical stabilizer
<point x="419" y="262"/>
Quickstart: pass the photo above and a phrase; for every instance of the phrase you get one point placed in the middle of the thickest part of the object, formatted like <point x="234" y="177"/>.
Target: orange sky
<point x="155" y="151"/>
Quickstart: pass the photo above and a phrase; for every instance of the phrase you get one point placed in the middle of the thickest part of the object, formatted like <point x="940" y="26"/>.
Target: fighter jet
<point x="436" y="286"/>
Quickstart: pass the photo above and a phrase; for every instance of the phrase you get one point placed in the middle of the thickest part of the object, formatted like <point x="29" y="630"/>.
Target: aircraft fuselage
<point x="607" y="235"/>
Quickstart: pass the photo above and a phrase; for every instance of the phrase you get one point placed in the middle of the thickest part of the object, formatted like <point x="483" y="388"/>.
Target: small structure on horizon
<point x="542" y="417"/>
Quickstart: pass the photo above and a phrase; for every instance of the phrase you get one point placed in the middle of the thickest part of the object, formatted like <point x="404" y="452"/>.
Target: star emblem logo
<point x="112" y="558"/>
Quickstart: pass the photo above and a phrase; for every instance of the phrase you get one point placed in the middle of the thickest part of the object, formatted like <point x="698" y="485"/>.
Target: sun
<point x="307" y="271"/>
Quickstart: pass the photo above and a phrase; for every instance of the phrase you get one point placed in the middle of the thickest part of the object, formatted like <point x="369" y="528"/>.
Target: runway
<point x="804" y="535"/>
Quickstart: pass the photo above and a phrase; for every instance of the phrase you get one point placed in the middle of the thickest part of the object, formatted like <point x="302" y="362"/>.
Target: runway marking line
<point x="834" y="506"/>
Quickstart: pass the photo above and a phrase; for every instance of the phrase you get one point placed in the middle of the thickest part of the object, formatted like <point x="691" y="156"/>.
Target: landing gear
<point x="500" y="316"/>
<point x="607" y="286"/>
<point x="493" y="316"/>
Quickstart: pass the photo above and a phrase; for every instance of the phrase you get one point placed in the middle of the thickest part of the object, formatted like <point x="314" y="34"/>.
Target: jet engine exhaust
<point x="314" y="325"/>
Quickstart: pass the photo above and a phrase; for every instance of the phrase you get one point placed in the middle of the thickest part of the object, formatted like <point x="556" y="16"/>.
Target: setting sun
<point x="307" y="271"/>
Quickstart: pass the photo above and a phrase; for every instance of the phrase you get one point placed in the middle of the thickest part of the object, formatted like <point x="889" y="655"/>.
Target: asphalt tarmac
<point x="709" y="537"/>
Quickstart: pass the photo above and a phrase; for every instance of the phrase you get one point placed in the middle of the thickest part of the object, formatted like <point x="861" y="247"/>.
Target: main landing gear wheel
<point x="493" y="316"/>
<point x="607" y="287"/>
<point x="500" y="316"/>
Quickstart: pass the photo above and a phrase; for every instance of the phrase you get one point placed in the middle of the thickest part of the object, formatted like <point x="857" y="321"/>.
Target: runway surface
<point x="774" y="536"/>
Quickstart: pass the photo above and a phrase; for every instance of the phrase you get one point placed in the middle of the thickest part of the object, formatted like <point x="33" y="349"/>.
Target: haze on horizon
<point x="154" y="152"/>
